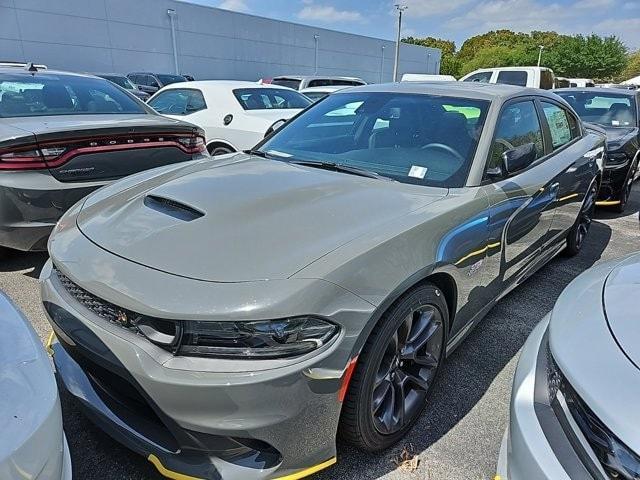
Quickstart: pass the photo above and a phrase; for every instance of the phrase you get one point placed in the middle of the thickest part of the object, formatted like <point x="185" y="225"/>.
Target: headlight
<point x="618" y="460"/>
<point x="255" y="339"/>
<point x="616" y="160"/>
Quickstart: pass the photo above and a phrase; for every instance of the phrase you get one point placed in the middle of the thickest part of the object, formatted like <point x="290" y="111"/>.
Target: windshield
<point x="286" y="82"/>
<point x="603" y="108"/>
<point x="270" y="99"/>
<point x="412" y="138"/>
<point x="169" y="79"/>
<point x="120" y="81"/>
<point x="23" y="95"/>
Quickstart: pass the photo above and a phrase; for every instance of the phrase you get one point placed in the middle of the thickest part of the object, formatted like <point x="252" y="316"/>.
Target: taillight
<point x="33" y="159"/>
<point x="193" y="144"/>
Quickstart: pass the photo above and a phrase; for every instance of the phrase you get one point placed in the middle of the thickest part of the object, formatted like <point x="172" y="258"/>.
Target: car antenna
<point x="30" y="67"/>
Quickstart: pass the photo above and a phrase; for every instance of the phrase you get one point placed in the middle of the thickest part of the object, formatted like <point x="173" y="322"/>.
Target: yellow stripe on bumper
<point x="47" y="345"/>
<point x="309" y="471"/>
<point x="169" y="473"/>
<point x="606" y="203"/>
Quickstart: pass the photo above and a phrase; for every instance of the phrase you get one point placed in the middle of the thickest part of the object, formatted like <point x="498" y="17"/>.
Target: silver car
<point x="32" y="443"/>
<point x="574" y="408"/>
<point x="230" y="318"/>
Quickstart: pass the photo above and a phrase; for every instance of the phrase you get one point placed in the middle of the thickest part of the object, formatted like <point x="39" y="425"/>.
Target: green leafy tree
<point x="592" y="56"/>
<point x="449" y="64"/>
<point x="633" y="67"/>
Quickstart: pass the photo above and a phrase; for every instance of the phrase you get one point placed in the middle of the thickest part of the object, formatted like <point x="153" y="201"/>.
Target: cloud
<point x="235" y="5"/>
<point x="426" y="8"/>
<point x="328" y="13"/>
<point x="627" y="29"/>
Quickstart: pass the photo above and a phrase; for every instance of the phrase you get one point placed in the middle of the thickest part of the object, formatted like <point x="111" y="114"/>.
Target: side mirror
<point x="518" y="158"/>
<point x="277" y="125"/>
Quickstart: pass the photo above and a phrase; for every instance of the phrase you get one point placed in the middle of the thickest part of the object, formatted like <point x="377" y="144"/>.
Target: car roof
<point x="222" y="84"/>
<point x="110" y="74"/>
<point x="311" y="77"/>
<point x="483" y="91"/>
<point x="618" y="91"/>
<point x="325" y="88"/>
<point x="43" y="72"/>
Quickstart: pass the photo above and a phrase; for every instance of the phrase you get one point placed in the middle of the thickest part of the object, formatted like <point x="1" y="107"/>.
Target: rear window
<point x="270" y="99"/>
<point x="50" y="94"/>
<point x="511" y="77"/>
<point x="123" y="82"/>
<point x="286" y="82"/>
<point x="178" y="101"/>
<point x="324" y="82"/>
<point x="169" y="79"/>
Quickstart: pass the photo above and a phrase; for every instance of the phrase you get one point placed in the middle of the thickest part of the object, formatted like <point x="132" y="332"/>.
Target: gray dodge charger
<point x="230" y="319"/>
<point x="63" y="135"/>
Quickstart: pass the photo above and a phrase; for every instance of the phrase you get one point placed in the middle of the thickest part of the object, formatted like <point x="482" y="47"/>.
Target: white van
<point x="426" y="77"/>
<point x="535" y="77"/>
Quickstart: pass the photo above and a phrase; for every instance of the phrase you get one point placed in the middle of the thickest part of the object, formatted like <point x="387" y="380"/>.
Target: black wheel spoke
<point x="406" y="370"/>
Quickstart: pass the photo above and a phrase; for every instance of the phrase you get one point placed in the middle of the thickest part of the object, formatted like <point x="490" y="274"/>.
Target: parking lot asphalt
<point x="459" y="435"/>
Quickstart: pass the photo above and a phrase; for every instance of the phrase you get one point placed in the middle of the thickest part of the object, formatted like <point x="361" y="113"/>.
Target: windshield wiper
<point x="339" y="167"/>
<point x="257" y="153"/>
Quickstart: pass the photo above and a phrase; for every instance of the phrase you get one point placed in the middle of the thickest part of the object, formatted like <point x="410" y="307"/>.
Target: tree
<point x="449" y="64"/>
<point x="633" y="67"/>
<point x="592" y="56"/>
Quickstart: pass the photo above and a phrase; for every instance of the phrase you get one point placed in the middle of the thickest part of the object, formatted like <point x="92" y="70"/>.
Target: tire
<point x="626" y="190"/>
<point x="394" y="365"/>
<point x="580" y="229"/>
<point x="215" y="151"/>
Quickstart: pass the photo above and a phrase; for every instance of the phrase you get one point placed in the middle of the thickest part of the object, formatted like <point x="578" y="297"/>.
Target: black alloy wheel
<point x="410" y="361"/>
<point x="396" y="370"/>
<point x="579" y="231"/>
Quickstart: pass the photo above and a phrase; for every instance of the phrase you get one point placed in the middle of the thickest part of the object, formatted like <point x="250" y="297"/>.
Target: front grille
<point x="108" y="311"/>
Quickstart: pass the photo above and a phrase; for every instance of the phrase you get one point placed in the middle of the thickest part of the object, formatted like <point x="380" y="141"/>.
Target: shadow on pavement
<point x="15" y="261"/>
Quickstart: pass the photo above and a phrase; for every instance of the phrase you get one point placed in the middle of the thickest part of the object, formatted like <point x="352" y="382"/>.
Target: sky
<point x="453" y="19"/>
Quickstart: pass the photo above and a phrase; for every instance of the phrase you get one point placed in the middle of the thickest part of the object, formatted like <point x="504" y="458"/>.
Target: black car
<point x="616" y="111"/>
<point x="152" y="82"/>
<point x="63" y="135"/>
<point x="122" y="81"/>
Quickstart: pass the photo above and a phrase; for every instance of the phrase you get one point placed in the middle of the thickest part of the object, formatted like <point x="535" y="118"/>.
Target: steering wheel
<point x="446" y="148"/>
<point x="504" y="143"/>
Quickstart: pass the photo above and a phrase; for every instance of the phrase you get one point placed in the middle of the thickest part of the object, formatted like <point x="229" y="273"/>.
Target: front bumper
<point x="31" y="203"/>
<point x="251" y="424"/>
<point x="542" y="441"/>
<point x="613" y="182"/>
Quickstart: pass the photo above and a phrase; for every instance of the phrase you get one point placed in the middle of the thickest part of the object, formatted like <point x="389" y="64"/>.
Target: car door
<point x="522" y="202"/>
<point x="575" y="171"/>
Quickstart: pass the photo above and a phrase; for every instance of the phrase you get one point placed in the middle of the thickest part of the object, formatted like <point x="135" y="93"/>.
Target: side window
<point x="560" y="124"/>
<point x="320" y="83"/>
<point x="178" y="102"/>
<point x="482" y="77"/>
<point x="546" y="80"/>
<point x="518" y="125"/>
<point x="511" y="77"/>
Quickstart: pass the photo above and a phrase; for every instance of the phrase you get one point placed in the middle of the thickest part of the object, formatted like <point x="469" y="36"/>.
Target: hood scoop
<point x="172" y="208"/>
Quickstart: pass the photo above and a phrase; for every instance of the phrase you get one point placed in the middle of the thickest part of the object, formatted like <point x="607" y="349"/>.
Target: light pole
<point x="172" y="15"/>
<point x="316" y="37"/>
<point x="400" y="8"/>
<point x="541" y="47"/>
<point x="382" y="64"/>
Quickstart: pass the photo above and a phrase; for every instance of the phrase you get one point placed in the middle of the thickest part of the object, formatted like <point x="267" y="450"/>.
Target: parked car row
<point x="318" y="277"/>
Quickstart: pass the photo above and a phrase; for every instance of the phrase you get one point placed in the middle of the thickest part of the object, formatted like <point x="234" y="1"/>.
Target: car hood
<point x="618" y="136"/>
<point x="620" y="295"/>
<point x="244" y="218"/>
<point x="29" y="393"/>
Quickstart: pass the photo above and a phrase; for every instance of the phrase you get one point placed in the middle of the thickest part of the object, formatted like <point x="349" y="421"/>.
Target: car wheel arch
<point x="212" y="145"/>
<point x="441" y="279"/>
